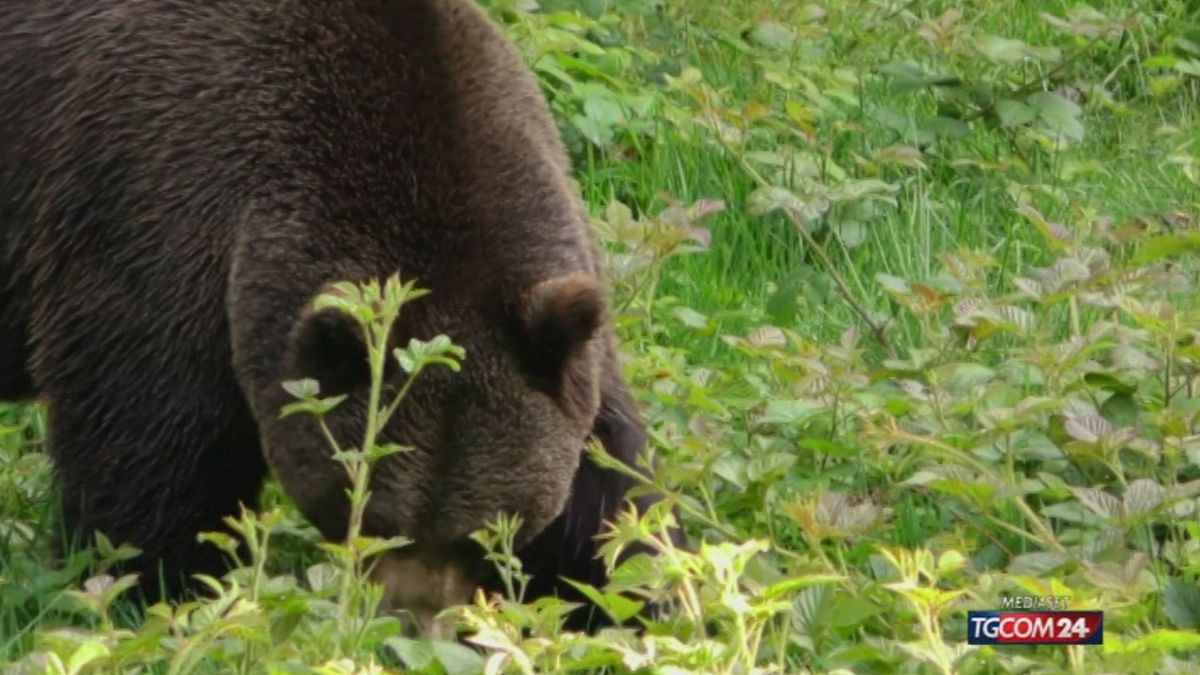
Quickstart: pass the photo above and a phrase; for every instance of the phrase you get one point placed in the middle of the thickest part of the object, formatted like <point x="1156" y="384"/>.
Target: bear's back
<point x="128" y="126"/>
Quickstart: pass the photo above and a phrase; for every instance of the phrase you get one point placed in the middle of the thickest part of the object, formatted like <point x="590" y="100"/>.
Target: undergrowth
<point x="908" y="296"/>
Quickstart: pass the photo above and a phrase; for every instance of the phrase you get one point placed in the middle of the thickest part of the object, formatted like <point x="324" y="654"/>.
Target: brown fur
<point x="179" y="180"/>
<point x="423" y="586"/>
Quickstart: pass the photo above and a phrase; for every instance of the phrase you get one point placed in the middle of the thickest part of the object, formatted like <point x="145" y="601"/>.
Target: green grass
<point x="899" y="482"/>
<point x="944" y="210"/>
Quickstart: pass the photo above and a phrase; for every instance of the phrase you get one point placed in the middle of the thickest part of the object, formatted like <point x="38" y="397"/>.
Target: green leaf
<point x="977" y="492"/>
<point x="285" y="621"/>
<point x="1015" y="318"/>
<point x="323" y="576"/>
<point x="891" y="118"/>
<point x="784" y="303"/>
<point x="826" y="447"/>
<point x="851" y="611"/>
<point x="619" y="607"/>
<point x="416" y="654"/>
<point x="1189" y="67"/>
<point x="964" y="377"/>
<point x="380" y="451"/>
<point x="344" y="297"/>
<point x="1058" y="114"/>
<point x="221" y="540"/>
<point x="790" y="585"/>
<point x="420" y="354"/>
<point x="769" y="198"/>
<point x="374" y="546"/>
<point x="870" y="189"/>
<point x="1181" y="603"/>
<point x="791" y="411"/>
<point x="1037" y="563"/>
<point x="1014" y="113"/>
<point x="893" y="284"/>
<point x="1121" y="408"/>
<point x="951" y="561"/>
<point x="1160" y="61"/>
<point x="1098" y="502"/>
<point x="1162" y="640"/>
<point x="1008" y="50"/>
<point x="773" y="34"/>
<point x="118" y="587"/>
<point x="909" y="75"/>
<point x="457" y="659"/>
<point x="1167" y="246"/>
<point x="317" y="407"/>
<point x="109" y="554"/>
<point x="947" y="127"/>
<point x="1143" y="496"/>
<point x="691" y="318"/>
<point x="349" y="456"/>
<point x="851" y="233"/>
<point x="302" y="389"/>
<point x="772" y="466"/>
<point x="1087" y="428"/>
<point x="596" y="133"/>
<point x="1108" y="382"/>
<point x="604" y="111"/>
<point x="811" y="607"/>
<point x="86" y="653"/>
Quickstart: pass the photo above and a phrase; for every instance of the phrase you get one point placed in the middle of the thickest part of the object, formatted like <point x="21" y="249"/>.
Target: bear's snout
<point x="418" y="584"/>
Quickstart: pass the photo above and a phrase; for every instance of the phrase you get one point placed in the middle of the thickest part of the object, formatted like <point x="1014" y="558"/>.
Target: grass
<point x="993" y="442"/>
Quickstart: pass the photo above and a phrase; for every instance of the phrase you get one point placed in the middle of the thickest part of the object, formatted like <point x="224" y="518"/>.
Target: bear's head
<point x="505" y="434"/>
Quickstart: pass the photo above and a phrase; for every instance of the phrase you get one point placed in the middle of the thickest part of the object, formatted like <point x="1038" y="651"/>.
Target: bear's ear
<point x="328" y="347"/>
<point x="561" y="314"/>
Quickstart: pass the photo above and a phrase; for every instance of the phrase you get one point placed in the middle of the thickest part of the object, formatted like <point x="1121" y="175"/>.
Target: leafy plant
<point x="908" y="296"/>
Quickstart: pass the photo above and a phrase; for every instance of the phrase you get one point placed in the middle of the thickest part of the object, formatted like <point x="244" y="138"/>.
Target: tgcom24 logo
<point x="1035" y="628"/>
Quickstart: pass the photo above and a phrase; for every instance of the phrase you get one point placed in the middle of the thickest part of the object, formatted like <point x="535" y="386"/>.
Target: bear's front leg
<point x="151" y="438"/>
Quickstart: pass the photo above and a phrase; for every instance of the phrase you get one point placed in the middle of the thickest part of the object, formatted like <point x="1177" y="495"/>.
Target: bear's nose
<point x="420" y="581"/>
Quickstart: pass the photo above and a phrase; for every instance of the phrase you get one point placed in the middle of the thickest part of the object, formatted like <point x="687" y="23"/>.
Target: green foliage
<point x="908" y="291"/>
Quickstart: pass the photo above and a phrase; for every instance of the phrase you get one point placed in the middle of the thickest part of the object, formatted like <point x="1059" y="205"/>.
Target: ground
<point x="907" y="291"/>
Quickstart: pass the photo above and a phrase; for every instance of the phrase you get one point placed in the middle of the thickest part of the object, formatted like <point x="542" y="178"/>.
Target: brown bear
<point x="180" y="179"/>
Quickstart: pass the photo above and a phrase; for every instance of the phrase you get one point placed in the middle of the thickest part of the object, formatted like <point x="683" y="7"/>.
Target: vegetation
<point x="908" y="295"/>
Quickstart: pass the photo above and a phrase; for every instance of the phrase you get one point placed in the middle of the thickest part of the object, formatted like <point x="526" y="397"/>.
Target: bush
<point x="908" y="294"/>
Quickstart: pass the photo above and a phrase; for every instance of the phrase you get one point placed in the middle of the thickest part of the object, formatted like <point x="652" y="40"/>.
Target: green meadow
<point x="908" y="295"/>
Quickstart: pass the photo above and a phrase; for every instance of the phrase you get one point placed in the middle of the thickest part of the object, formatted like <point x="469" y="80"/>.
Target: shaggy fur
<point x="179" y="180"/>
